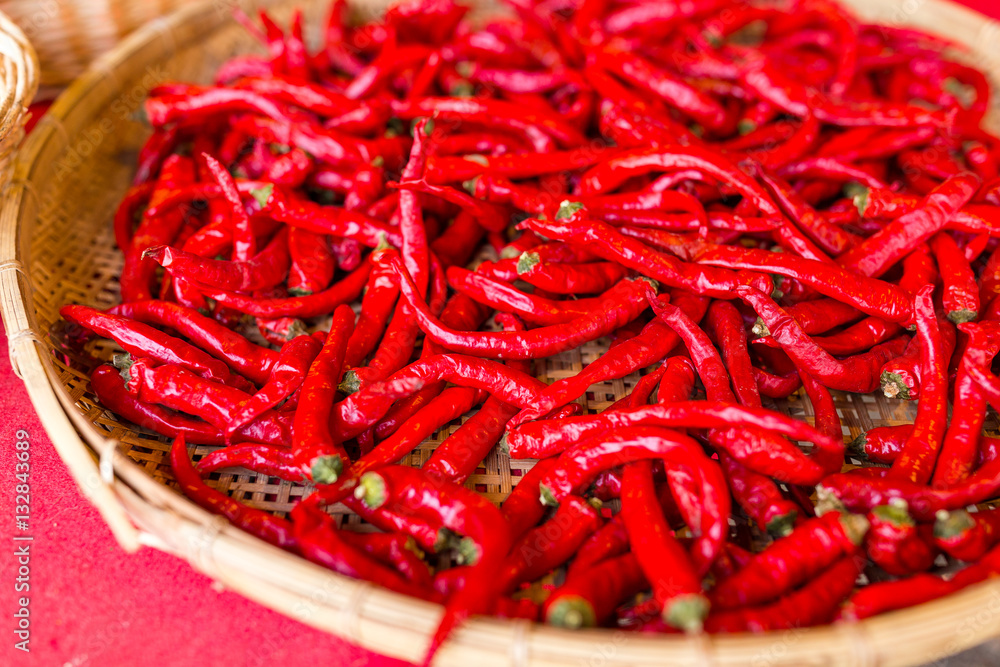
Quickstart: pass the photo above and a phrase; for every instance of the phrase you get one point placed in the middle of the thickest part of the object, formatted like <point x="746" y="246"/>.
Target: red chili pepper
<point x="961" y="294"/>
<point x="312" y="262"/>
<point x="831" y="238"/>
<point x="241" y="355"/>
<point x="107" y="384"/>
<point x="259" y="523"/>
<point x="961" y="440"/>
<point x="312" y="305"/>
<point x="776" y="386"/>
<point x="859" y="373"/>
<point x="965" y="536"/>
<point x="263" y="459"/>
<point x="142" y="340"/>
<point x="895" y="543"/>
<point x="286" y="377"/>
<point x="813" y="604"/>
<point x="821" y="315"/>
<point x="365" y="407"/>
<point x="677" y="381"/>
<point x="395" y="550"/>
<point x="622" y="305"/>
<point x="610" y="244"/>
<point x="546" y="547"/>
<point x="920" y="452"/>
<point x="266" y="269"/>
<point x="321" y="541"/>
<point x="676" y="585"/>
<point x="870" y="296"/>
<point x="589" y="599"/>
<point x="315" y="445"/>
<point x="790" y="561"/>
<point x="564" y="278"/>
<point x="886" y="596"/>
<point x="858" y="337"/>
<point x="462" y="511"/>
<point x="876" y="254"/>
<point x="759" y="497"/>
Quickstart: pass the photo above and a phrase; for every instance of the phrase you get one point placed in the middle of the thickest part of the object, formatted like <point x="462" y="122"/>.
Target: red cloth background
<point x="92" y="604"/>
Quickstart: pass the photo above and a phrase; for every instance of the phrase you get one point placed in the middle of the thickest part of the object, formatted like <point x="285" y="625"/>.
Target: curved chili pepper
<point x="876" y="254"/>
<point x="810" y="548"/>
<point x="266" y="269"/>
<point x="967" y="536"/>
<point x="272" y="529"/>
<point x="312" y="262"/>
<point x="334" y="221"/>
<point x="546" y="547"/>
<point x="677" y="381"/>
<point x="107" y="384"/>
<point x="858" y="337"/>
<point x="286" y="377"/>
<point x="304" y="307"/>
<point x="365" y="407"/>
<point x="395" y="550"/>
<point x="894" y="542"/>
<point x="873" y="297"/>
<point x="530" y="307"/>
<point x="143" y="340"/>
<point x="776" y="386"/>
<point x="461" y="510"/>
<point x="830" y="238"/>
<point x="315" y="446"/>
<point x="961" y="294"/>
<point x="822" y="315"/>
<point x="813" y="604"/>
<point x="859" y="373"/>
<point x="271" y="461"/>
<point x="621" y="305"/>
<point x="564" y="278"/>
<point x="241" y="355"/>
<point x="610" y="244"/>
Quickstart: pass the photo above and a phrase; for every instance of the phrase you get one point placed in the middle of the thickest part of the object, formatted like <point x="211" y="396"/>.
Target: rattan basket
<point x="18" y="83"/>
<point x="56" y="238"/>
<point x="68" y="36"/>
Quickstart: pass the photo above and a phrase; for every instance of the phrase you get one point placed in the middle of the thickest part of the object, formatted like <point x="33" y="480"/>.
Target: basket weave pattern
<point x="76" y="166"/>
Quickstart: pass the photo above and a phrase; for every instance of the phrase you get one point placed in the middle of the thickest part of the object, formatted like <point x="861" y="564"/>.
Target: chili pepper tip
<point x="571" y="612"/>
<point x="686" y="612"/>
<point x="952" y="524"/>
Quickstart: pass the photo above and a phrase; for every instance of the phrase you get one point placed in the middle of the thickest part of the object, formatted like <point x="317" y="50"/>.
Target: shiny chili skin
<point x="676" y="584"/>
<point x="107" y="384"/>
<point x="621" y="306"/>
<point x="142" y="340"/>
<point x="549" y="545"/>
<point x="967" y="536"/>
<point x="312" y="262"/>
<point x="246" y="358"/>
<point x="342" y="292"/>
<point x="859" y="373"/>
<point x="859" y="337"/>
<point x="961" y="294"/>
<point x="677" y="381"/>
<point x="917" y="460"/>
<point x="870" y="296"/>
<point x="813" y="604"/>
<point x="318" y="451"/>
<point x="589" y="599"/>
<point x="286" y="377"/>
<point x="264" y="459"/>
<point x="873" y="256"/>
<point x="563" y="278"/>
<point x="610" y="244"/>
<point x="789" y="561"/>
<point x="266" y="269"/>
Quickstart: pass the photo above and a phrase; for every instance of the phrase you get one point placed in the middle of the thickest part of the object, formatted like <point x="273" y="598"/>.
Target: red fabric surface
<point x="92" y="604"/>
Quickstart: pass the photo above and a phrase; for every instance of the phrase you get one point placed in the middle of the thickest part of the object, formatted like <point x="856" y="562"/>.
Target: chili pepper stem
<point x="467" y="552"/>
<point x="856" y="447"/>
<point x="781" y="525"/>
<point x="827" y="501"/>
<point x="960" y="316"/>
<point x="547" y="496"/>
<point x="573" y="613"/>
<point x="123" y="362"/>
<point x="326" y="469"/>
<point x="350" y="383"/>
<point x="893" y="386"/>
<point x="686" y="612"/>
<point x="856" y="525"/>
<point x="952" y="524"/>
<point x="760" y="329"/>
<point x="527" y="261"/>
<point x="371" y="490"/>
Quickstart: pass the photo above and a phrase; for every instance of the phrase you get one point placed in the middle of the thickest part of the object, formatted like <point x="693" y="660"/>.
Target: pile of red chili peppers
<point x="742" y="200"/>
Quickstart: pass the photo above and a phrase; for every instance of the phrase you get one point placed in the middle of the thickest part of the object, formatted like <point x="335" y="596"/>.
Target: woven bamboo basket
<point x="56" y="238"/>
<point x="18" y="83"/>
<point x="68" y="36"/>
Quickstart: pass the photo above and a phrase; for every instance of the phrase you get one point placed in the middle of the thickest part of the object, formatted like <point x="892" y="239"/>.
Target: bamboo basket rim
<point x="143" y="512"/>
<point x="19" y="73"/>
